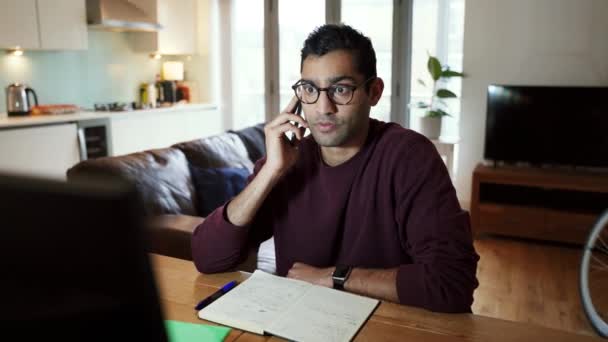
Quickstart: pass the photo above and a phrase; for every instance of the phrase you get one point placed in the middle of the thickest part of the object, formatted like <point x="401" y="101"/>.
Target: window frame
<point x="401" y="51"/>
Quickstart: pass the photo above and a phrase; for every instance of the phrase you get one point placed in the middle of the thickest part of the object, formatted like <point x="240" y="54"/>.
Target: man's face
<point x="334" y="125"/>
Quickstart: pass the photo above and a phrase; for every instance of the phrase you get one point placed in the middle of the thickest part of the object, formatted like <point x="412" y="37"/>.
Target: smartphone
<point x="297" y="110"/>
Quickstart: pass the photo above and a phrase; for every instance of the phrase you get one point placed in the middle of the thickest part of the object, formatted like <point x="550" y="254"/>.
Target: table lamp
<point x="173" y="71"/>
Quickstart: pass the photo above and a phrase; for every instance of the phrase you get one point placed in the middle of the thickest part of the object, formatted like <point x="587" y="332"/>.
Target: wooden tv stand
<point x="547" y="204"/>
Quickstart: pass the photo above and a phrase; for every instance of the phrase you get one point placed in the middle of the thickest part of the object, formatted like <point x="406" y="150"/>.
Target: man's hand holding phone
<point x="280" y="156"/>
<point x="281" y="152"/>
<point x="297" y="110"/>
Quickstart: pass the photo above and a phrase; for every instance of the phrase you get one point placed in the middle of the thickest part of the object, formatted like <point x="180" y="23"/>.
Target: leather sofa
<point x="164" y="181"/>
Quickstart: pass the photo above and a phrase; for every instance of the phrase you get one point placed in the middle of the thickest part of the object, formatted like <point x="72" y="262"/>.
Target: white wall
<point x="525" y="42"/>
<point x="200" y="68"/>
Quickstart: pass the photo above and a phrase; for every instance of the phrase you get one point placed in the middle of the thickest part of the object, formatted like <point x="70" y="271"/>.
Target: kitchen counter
<point x="48" y="145"/>
<point x="28" y="121"/>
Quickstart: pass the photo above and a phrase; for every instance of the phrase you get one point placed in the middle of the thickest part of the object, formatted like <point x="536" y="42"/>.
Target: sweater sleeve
<point x="218" y="245"/>
<point x="436" y="233"/>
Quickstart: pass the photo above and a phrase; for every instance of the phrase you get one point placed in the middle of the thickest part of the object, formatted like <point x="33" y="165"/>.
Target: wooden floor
<point x="529" y="281"/>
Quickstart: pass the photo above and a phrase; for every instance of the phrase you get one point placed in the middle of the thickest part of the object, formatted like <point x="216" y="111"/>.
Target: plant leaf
<point x="443" y="112"/>
<point x="422" y="105"/>
<point x="449" y="73"/>
<point x="434" y="68"/>
<point x="421" y="82"/>
<point x="444" y="94"/>
<point x="436" y="113"/>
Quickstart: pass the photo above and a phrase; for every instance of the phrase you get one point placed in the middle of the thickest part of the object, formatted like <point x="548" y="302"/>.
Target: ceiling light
<point x="15" y="52"/>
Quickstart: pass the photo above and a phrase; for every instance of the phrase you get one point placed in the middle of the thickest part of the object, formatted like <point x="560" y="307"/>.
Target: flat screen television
<point x="547" y="126"/>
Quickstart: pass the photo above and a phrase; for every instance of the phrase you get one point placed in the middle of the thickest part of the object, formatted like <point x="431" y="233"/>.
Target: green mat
<point x="188" y="332"/>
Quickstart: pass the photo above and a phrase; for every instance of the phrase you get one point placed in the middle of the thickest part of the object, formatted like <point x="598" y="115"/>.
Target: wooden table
<point x="181" y="287"/>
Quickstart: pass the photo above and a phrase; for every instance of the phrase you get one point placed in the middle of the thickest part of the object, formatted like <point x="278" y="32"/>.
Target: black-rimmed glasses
<point x="340" y="94"/>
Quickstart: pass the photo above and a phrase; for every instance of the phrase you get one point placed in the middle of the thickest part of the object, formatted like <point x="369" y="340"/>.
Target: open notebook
<point x="291" y="309"/>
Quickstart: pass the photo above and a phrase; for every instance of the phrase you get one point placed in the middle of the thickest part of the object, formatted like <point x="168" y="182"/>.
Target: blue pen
<point x="216" y="295"/>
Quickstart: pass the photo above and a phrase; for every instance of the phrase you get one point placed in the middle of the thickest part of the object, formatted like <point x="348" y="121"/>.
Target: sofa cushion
<point x="254" y="139"/>
<point x="215" y="186"/>
<point x="223" y="150"/>
<point x="162" y="178"/>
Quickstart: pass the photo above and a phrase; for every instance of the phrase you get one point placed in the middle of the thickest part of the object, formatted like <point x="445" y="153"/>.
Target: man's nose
<point x="325" y="105"/>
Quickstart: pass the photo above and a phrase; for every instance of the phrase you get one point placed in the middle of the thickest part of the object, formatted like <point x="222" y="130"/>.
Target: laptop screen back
<point x="73" y="261"/>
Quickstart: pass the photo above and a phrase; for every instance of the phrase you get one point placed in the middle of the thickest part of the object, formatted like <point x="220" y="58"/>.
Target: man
<point x="359" y="205"/>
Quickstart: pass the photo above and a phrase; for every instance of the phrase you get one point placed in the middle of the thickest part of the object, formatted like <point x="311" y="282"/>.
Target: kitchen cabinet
<point x="46" y="151"/>
<point x="143" y="131"/>
<point x="178" y="35"/>
<point x="43" y="24"/>
<point x="63" y="24"/>
<point x="19" y="24"/>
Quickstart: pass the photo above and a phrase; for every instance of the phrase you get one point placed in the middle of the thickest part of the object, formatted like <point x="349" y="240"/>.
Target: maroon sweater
<point x="391" y="205"/>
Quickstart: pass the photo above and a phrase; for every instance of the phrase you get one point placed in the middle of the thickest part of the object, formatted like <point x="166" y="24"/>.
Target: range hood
<point x="119" y="15"/>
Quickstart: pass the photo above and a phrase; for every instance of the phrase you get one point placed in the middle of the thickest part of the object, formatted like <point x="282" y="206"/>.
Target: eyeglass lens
<point x="339" y="94"/>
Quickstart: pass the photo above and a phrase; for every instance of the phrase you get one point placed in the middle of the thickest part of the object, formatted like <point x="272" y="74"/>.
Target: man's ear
<point x="376" y="88"/>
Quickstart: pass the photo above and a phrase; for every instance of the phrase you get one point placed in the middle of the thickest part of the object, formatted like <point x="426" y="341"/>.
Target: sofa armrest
<point x="171" y="235"/>
<point x="162" y="178"/>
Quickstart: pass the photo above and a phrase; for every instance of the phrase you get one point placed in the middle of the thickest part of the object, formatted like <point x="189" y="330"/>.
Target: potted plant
<point x="436" y="107"/>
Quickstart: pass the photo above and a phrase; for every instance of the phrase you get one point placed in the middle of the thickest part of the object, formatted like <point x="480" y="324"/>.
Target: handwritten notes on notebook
<point x="291" y="309"/>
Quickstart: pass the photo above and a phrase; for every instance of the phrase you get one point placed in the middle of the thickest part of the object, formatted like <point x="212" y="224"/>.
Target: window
<point x="437" y="29"/>
<point x="247" y="63"/>
<point x="260" y="43"/>
<point x="374" y="18"/>
<point x="296" y="20"/>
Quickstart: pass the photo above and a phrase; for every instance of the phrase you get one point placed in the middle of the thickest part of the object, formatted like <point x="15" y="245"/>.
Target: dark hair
<point x="330" y="37"/>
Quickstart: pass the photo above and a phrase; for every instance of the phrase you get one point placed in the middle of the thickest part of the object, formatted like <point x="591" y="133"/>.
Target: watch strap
<point x="340" y="276"/>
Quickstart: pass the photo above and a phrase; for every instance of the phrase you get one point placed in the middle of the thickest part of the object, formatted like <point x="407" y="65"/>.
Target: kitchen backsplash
<point x="108" y="71"/>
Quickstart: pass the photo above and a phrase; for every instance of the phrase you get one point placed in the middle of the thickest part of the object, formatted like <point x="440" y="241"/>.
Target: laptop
<point x="73" y="261"/>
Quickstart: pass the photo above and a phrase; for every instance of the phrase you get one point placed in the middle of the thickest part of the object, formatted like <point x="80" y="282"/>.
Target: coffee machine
<point x="18" y="101"/>
<point x="167" y="92"/>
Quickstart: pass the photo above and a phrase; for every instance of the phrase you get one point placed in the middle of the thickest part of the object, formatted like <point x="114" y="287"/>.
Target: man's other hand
<point x="311" y="274"/>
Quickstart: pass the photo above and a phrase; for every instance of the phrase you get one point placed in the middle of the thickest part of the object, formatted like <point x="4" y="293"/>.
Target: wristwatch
<point x="340" y="276"/>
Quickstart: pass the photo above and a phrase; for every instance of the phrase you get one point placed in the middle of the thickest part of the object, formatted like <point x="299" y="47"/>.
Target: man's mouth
<point x="326" y="127"/>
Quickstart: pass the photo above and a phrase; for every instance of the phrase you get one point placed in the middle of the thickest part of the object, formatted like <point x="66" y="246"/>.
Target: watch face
<point x="341" y="271"/>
